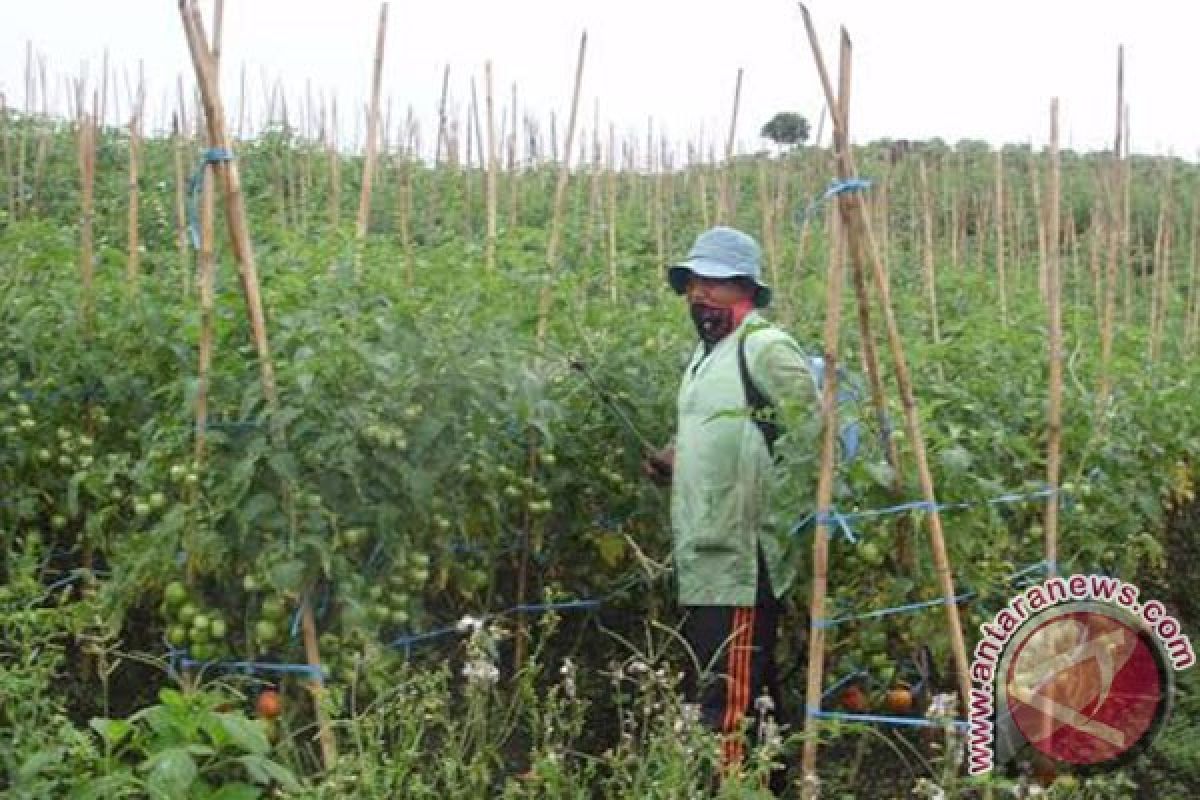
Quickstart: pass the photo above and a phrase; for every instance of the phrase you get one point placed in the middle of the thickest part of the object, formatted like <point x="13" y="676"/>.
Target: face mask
<point x="712" y="323"/>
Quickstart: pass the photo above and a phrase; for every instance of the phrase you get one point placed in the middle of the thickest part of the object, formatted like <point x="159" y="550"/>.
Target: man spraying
<point x="731" y="566"/>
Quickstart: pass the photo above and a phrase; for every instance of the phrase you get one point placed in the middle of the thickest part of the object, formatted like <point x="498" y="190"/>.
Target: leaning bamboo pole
<point x="727" y="180"/>
<point x="491" y="168"/>
<point x="839" y="110"/>
<point x="560" y="193"/>
<point x="513" y="170"/>
<point x="1054" y="299"/>
<point x="862" y="248"/>
<point x="368" y="174"/>
<point x="133" y="263"/>
<point x="236" y="219"/>
<point x="335" y="169"/>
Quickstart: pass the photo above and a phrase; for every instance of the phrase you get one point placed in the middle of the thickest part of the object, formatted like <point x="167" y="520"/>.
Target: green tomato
<point x="187" y="613"/>
<point x="217" y="628"/>
<point x="175" y="594"/>
<point x="266" y="631"/>
<point x="141" y="509"/>
<point x="198" y="635"/>
<point x="158" y="500"/>
<point x="273" y="608"/>
<point x="250" y="583"/>
<point x="200" y="622"/>
<point x="177" y="635"/>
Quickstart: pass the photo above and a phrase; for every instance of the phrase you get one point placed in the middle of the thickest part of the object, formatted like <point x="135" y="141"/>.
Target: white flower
<point x="480" y="673"/>
<point x="469" y="624"/>
<point x="942" y="705"/>
<point x="764" y="704"/>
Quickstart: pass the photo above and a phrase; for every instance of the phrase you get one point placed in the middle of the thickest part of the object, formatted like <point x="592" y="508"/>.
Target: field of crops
<point x="392" y="538"/>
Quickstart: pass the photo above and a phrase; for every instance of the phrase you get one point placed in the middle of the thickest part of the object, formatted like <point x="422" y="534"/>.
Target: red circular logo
<point x="1085" y="687"/>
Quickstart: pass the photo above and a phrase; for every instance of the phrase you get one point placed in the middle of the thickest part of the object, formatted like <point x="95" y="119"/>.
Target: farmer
<point x="731" y="565"/>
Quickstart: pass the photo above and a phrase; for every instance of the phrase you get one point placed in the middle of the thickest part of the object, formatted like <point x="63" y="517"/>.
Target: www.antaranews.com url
<point x="1034" y="601"/>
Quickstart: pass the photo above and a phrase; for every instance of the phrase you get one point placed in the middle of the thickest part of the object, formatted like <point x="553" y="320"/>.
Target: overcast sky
<point x="922" y="68"/>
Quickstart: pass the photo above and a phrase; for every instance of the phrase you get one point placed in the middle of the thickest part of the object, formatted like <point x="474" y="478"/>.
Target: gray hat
<point x="722" y="253"/>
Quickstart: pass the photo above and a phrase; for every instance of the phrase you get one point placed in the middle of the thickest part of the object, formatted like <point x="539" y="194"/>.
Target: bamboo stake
<point x="594" y="179"/>
<point x="767" y="224"/>
<point x="87" y="180"/>
<point x="335" y="171"/>
<point x="1193" y="314"/>
<point x="1156" y="273"/>
<point x="1039" y="211"/>
<point x="491" y="169"/>
<point x="404" y="211"/>
<point x="829" y="421"/>
<point x="133" y="267"/>
<point x="999" y="230"/>
<point x="364" y="200"/>
<point x="930" y="274"/>
<point x="1054" y="286"/>
<point x="9" y="178"/>
<point x="560" y="192"/>
<point x="181" y="223"/>
<point x="725" y="203"/>
<point x="206" y="264"/>
<point x="862" y="247"/>
<point x="236" y="218"/>
<point x="611" y="227"/>
<point x="514" y="180"/>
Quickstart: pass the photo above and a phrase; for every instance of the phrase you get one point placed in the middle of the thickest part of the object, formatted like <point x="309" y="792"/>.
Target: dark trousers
<point x="734" y="650"/>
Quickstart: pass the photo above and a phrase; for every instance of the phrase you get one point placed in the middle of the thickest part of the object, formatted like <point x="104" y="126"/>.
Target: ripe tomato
<point x="854" y="700"/>
<point x="899" y="700"/>
<point x="269" y="704"/>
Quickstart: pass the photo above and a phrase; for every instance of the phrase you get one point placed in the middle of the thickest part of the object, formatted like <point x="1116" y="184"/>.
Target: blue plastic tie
<point x="842" y="682"/>
<point x="835" y="188"/>
<point x="911" y="722"/>
<point x="214" y="155"/>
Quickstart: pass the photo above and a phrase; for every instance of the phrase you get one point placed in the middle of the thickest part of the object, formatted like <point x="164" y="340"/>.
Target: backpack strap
<point x="761" y="407"/>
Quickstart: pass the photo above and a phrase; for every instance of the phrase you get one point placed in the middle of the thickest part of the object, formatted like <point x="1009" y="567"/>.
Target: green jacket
<point x="723" y="474"/>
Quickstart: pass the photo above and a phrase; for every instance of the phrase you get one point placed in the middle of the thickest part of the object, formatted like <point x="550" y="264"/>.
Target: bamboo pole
<point x="206" y="264"/>
<point x="1192" y="318"/>
<point x="491" y="169"/>
<point x="1156" y="272"/>
<point x="87" y="179"/>
<point x="1054" y="292"/>
<point x="335" y="170"/>
<point x="829" y="417"/>
<point x="236" y="219"/>
<point x="364" y="200"/>
<point x="725" y="202"/>
<point x="1039" y="212"/>
<point x="611" y="227"/>
<point x="999" y="231"/>
<point x="594" y="179"/>
<point x="133" y="266"/>
<point x="862" y="248"/>
<point x="9" y="179"/>
<point x="513" y="169"/>
<point x="181" y="223"/>
<point x="930" y="266"/>
<point x="560" y="192"/>
<point x="404" y="209"/>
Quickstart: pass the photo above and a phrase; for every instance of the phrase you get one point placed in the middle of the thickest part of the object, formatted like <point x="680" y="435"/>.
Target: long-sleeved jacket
<point x="723" y="476"/>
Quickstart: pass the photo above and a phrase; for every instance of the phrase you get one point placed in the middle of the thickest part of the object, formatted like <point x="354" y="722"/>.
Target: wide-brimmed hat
<point x="722" y="252"/>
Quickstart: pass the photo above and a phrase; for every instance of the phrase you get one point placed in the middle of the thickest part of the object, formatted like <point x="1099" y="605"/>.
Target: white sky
<point x="922" y="68"/>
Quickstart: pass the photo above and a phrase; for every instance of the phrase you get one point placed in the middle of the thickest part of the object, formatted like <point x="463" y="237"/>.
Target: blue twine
<point x="887" y="612"/>
<point x="213" y="155"/>
<point x="256" y="666"/>
<point x="842" y="682"/>
<point x="842" y="521"/>
<point x="835" y="188"/>
<point x="912" y="722"/>
<point x="408" y="640"/>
